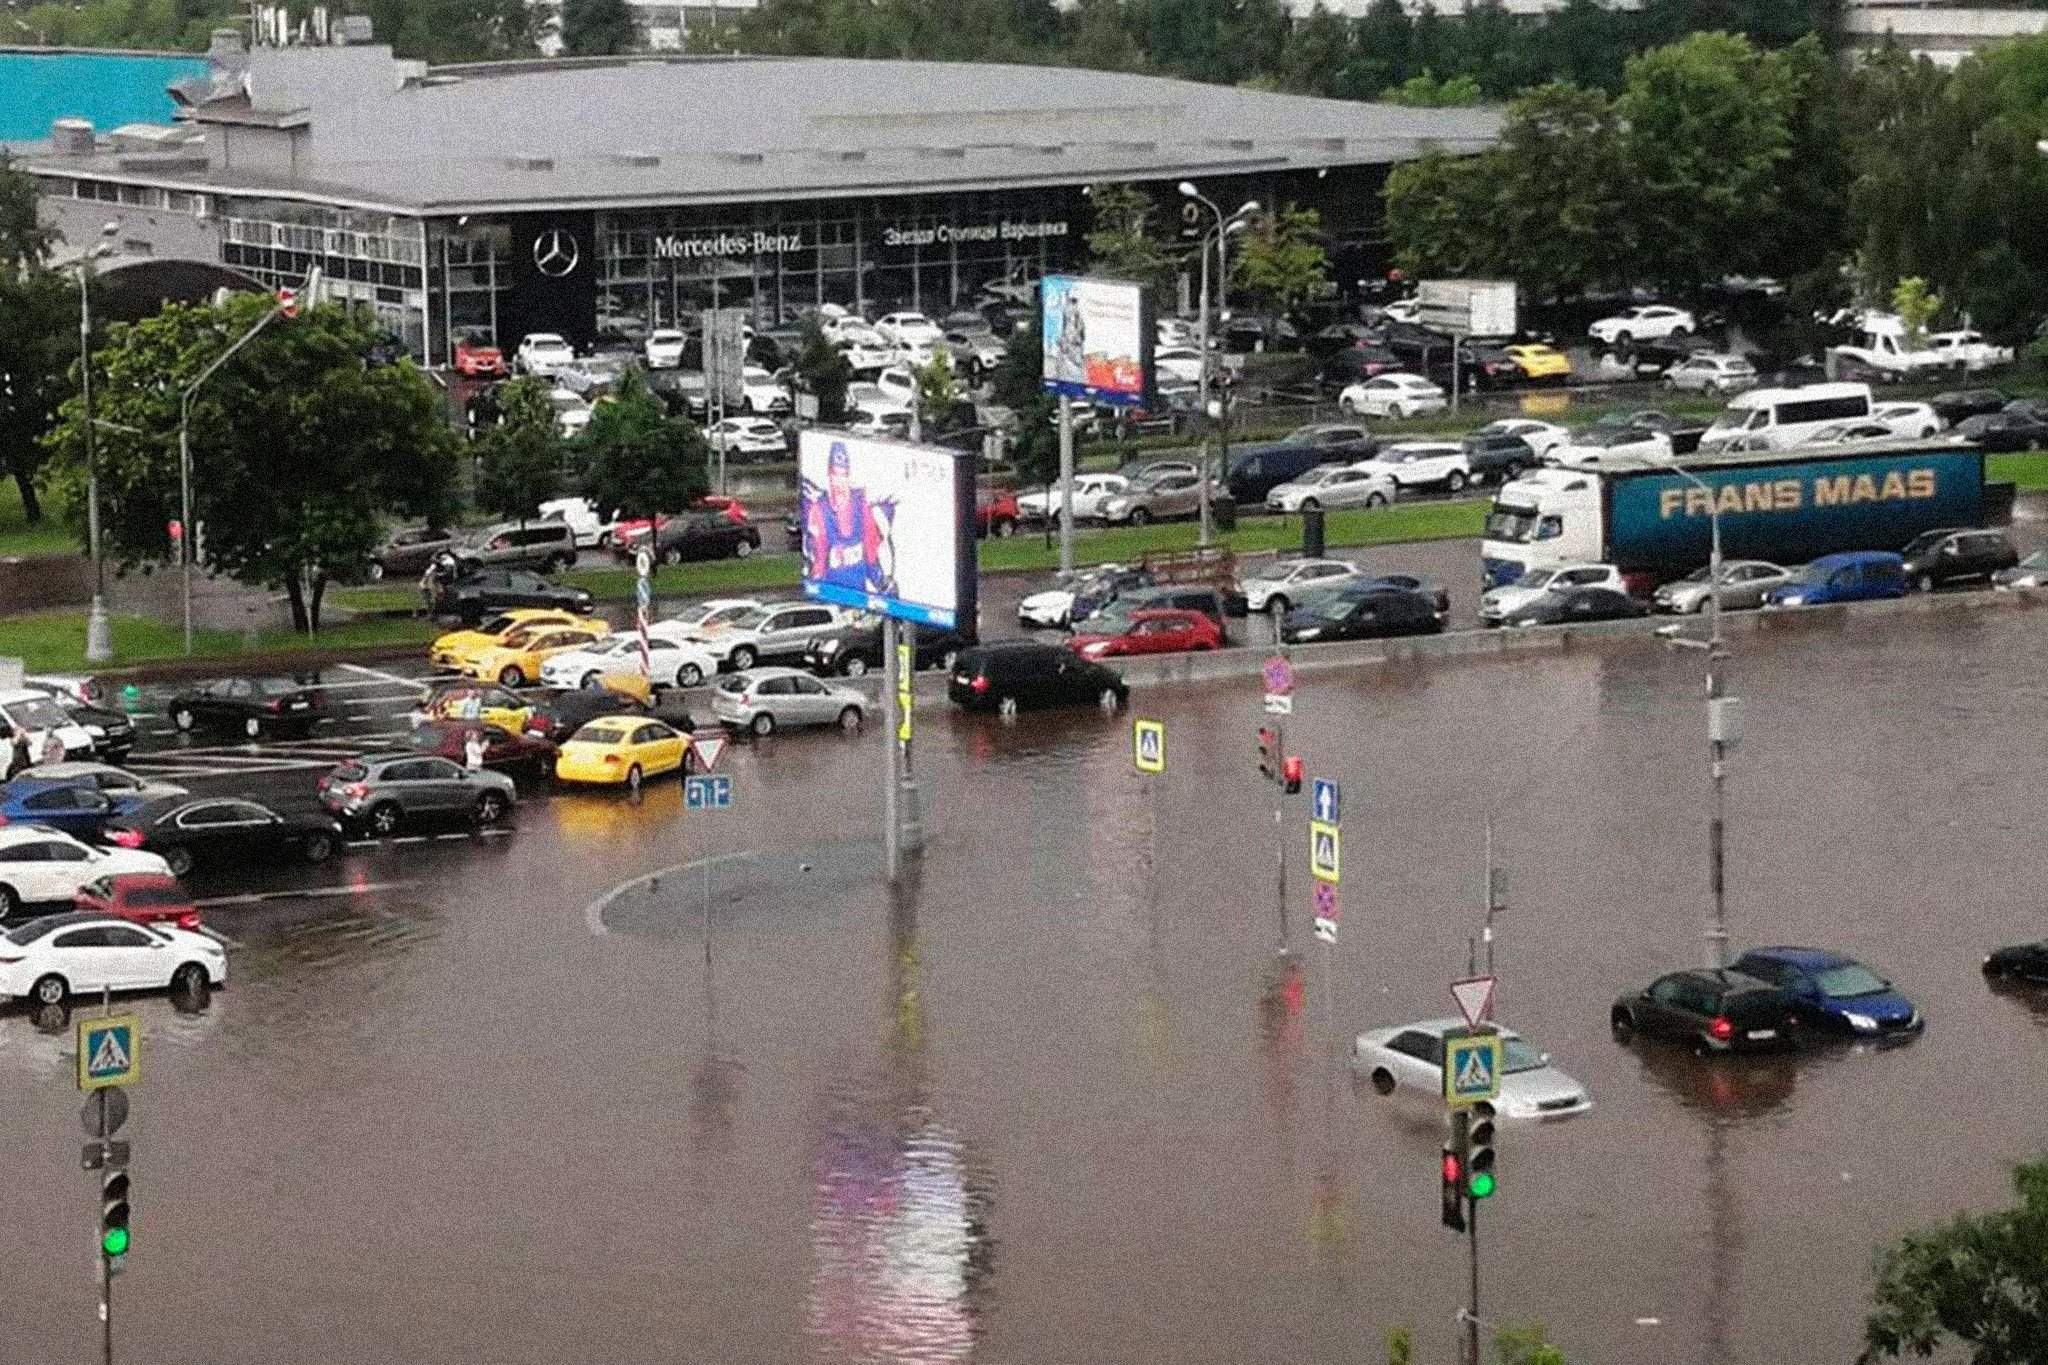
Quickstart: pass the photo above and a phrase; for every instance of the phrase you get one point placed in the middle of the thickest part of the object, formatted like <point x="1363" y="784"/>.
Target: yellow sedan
<point x="1540" y="362"/>
<point x="517" y="661"/>
<point x="621" y="749"/>
<point x="452" y="700"/>
<point x="458" y="648"/>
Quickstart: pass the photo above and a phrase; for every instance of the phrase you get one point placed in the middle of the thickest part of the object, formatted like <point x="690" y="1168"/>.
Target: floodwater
<point x="1061" y="1101"/>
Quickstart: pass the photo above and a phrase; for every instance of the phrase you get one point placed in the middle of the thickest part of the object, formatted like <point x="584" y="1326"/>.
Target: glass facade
<point x="372" y="259"/>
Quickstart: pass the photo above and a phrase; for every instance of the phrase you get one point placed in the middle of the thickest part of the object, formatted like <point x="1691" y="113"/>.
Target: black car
<point x="1574" y="606"/>
<point x="2021" y="962"/>
<point x="1957" y="405"/>
<point x="1655" y="356"/>
<point x="2010" y="428"/>
<point x="1710" y="1010"/>
<point x="1337" y="336"/>
<point x="1684" y="432"/>
<point x="1355" y="364"/>
<point x="705" y="537"/>
<point x="1946" y="556"/>
<point x="1021" y="674"/>
<point x="1257" y="470"/>
<point x="254" y="706"/>
<point x="475" y="596"/>
<point x="856" y="648"/>
<point x="214" y="831"/>
<point x="1408" y="582"/>
<point x="406" y="553"/>
<point x="1365" y="612"/>
<point x="562" y="714"/>
<point x="1498" y="455"/>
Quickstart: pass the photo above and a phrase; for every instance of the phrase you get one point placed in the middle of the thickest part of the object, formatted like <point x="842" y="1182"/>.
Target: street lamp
<point x="99" y="635"/>
<point x="1723" y="717"/>
<point x="1224" y="227"/>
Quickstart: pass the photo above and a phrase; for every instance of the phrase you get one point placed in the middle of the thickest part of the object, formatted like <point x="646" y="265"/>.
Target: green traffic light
<point x="114" y="1241"/>
<point x="1482" y="1184"/>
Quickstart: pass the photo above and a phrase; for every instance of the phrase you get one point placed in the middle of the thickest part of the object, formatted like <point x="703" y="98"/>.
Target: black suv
<point x="475" y="596"/>
<point x="1497" y="455"/>
<point x="1937" y="557"/>
<point x="704" y="537"/>
<point x="1713" y="1011"/>
<point x="1022" y="674"/>
<point x="855" y="648"/>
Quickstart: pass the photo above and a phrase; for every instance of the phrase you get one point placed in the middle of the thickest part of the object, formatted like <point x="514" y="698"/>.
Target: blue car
<point x="75" y="805"/>
<point x="1851" y="576"/>
<point x="1833" y="992"/>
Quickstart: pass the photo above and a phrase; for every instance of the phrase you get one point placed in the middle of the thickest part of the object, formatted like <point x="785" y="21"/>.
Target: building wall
<point x="156" y="224"/>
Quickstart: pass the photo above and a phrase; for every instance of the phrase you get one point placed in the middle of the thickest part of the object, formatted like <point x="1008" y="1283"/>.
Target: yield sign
<point x="1474" y="996"/>
<point x="708" y="748"/>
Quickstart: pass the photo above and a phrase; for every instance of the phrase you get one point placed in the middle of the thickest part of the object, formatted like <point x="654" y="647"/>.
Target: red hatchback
<point x="996" y="508"/>
<point x="503" y="750"/>
<point x="145" y="897"/>
<point x="1160" y="630"/>
<point x="474" y="357"/>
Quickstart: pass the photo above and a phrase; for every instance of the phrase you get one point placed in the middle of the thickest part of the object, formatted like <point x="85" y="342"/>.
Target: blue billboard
<point x="1791" y="511"/>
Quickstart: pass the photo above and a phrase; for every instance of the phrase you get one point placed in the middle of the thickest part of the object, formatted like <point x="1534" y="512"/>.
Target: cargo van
<point x="1778" y="419"/>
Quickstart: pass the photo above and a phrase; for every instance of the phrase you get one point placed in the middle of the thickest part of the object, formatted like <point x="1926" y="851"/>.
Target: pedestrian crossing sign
<point x="1148" y="745"/>
<point x="109" y="1050"/>
<point x="1471" y="1069"/>
<point x="1325" y="850"/>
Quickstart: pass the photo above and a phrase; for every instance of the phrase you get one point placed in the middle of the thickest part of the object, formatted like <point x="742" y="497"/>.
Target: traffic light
<point x="1453" y="1173"/>
<point x="1479" y="1178"/>
<point x="114" y="1213"/>
<point x="1290" y="774"/>
<point x="1269" y="753"/>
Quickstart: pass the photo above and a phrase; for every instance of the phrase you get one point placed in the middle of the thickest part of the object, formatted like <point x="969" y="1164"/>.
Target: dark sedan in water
<point x="251" y="706"/>
<point x="1709" y="1011"/>
<point x="1576" y="606"/>
<point x="2020" y="962"/>
<point x="218" y="832"/>
<point x="1370" y="611"/>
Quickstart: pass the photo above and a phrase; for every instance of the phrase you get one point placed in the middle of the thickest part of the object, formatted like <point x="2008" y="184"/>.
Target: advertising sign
<point x="1467" y="308"/>
<point x="1097" y="339"/>
<point x="888" y="527"/>
<point x="725" y="353"/>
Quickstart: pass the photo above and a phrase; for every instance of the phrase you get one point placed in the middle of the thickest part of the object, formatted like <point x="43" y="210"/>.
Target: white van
<point x="1778" y="419"/>
<point x="43" y="718"/>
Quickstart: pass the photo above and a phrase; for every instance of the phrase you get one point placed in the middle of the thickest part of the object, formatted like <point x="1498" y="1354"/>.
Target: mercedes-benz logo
<point x="555" y="252"/>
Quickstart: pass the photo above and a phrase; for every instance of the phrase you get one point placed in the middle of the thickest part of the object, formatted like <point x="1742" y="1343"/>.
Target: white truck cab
<point x="1546" y="518"/>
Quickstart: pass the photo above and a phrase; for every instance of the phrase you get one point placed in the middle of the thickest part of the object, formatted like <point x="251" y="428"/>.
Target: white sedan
<point x="1542" y="437"/>
<point x="862" y="396"/>
<point x="756" y="437"/>
<point x="1090" y="492"/>
<point x="43" y="866"/>
<point x="1907" y="419"/>
<point x="1285" y="582"/>
<point x="48" y="960"/>
<point x="760" y="391"/>
<point x="702" y="620"/>
<point x="543" y="353"/>
<point x="864" y="348"/>
<point x="1179" y="362"/>
<point x="1422" y="464"/>
<point x="1334" y="485"/>
<point x="664" y="348"/>
<point x="572" y="414"/>
<point x="1650" y="322"/>
<point x="1393" y="395"/>
<point x="1408" y="1059"/>
<point x="672" y="661"/>
<point x="909" y="329"/>
<point x="1968" y="351"/>
<point x="1497" y="604"/>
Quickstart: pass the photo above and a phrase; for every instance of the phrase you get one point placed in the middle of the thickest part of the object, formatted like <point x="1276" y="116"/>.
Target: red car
<point x="1160" y="630"/>
<point x="145" y="897"/>
<point x="734" y="510"/>
<point x="474" y="357"/>
<point x="996" y="508"/>
<point x="503" y="750"/>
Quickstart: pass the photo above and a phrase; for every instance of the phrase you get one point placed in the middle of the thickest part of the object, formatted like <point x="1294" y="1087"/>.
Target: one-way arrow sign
<point x="1327" y="800"/>
<point x="1474" y="996"/>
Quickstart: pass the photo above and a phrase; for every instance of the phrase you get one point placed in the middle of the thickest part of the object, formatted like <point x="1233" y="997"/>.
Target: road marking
<point x="304" y="894"/>
<point x="494" y="832"/>
<point x="593" y="913"/>
<point x="417" y="687"/>
<point x="218" y="936"/>
<point x="381" y="681"/>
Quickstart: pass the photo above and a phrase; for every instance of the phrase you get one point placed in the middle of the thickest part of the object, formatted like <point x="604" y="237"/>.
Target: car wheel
<point x="1681" y="331"/>
<point x="1006" y="707"/>
<point x="762" y="723"/>
<point x="1699" y="605"/>
<point x="1308" y="503"/>
<point x="179" y="860"/>
<point x="490" y="808"/>
<point x="1276" y="604"/>
<point x="50" y="990"/>
<point x="1926" y="433"/>
<point x="1622" y="1024"/>
<point x="10" y="901"/>
<point x="854" y="667"/>
<point x="689" y="675"/>
<point x="376" y="571"/>
<point x="849" y="720"/>
<point x="1375" y="500"/>
<point x="743" y="549"/>
<point x="252" y="727"/>
<point x="1345" y="405"/>
<point x="1006" y="528"/>
<point x="1456" y="482"/>
<point x="743" y="658"/>
<point x="1512" y="472"/>
<point x="182" y="718"/>
<point x="1108" y="699"/>
<point x="511" y="675"/>
<point x="551" y="564"/>
<point x="634" y="777"/>
<point x="1394" y="412"/>
<point x="672" y="555"/>
<point x="1383" y="1081"/>
<point x="1927" y="582"/>
<point x="189" y="979"/>
<point x="1623" y="340"/>
<point x="1139" y="516"/>
<point x="591" y="679"/>
<point x="384" y="817"/>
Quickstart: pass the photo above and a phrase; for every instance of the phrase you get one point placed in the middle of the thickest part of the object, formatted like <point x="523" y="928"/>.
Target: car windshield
<point x="1517" y="1055"/>
<point x="156" y="895"/>
<point x="2036" y="560"/>
<point x="1850" y="980"/>
<point x="750" y="620"/>
<point x="1923" y="542"/>
<point x="1731" y="421"/>
<point x="1812" y="576"/>
<point x="1535" y="578"/>
<point x="1512" y="524"/>
<point x="600" y="732"/>
<point x="1330" y="608"/>
<point x="37" y="713"/>
<point x="1320" y="475"/>
<point x="1110" y="620"/>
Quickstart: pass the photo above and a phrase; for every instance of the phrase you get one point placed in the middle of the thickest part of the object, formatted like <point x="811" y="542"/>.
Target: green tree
<point x="24" y="239"/>
<point x="38" y="368"/>
<point x="1281" y="261"/>
<point x="640" y="462"/>
<point x="1400" y="1346"/>
<point x="300" y="450"/>
<point x="1019" y="385"/>
<point x="519" y="461"/>
<point x="598" y="28"/>
<point x="822" y="370"/>
<point x="1125" y="242"/>
<point x="938" y="399"/>
<point x="456" y="30"/>
<point x="1974" y="1282"/>
<point x="1916" y="306"/>
<point x="1525" y="1343"/>
<point x="1428" y="92"/>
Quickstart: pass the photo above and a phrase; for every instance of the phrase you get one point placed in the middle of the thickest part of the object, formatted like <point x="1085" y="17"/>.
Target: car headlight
<point x="828" y="647"/>
<point x="1308" y="632"/>
<point x="1862" y="1023"/>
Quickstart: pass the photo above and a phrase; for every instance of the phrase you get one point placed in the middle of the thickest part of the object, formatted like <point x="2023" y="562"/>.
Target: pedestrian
<point x="18" y="758"/>
<point x="473" y="750"/>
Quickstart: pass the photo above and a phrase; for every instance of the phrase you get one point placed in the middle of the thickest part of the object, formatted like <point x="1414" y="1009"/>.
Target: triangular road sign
<point x="1474" y="996"/>
<point x="708" y="748"/>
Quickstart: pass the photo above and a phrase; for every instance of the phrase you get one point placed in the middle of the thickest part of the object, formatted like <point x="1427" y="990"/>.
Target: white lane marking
<point x="381" y="683"/>
<point x="593" y="913"/>
<point x="493" y="833"/>
<point x="419" y="688"/>
<point x="215" y="934"/>
<point x="302" y="894"/>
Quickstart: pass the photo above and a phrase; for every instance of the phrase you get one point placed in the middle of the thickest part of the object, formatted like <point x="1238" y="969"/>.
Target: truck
<point x="1882" y="344"/>
<point x="1650" y="519"/>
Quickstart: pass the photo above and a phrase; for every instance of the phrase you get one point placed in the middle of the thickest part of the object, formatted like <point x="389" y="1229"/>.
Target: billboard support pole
<point x="1066" y="483"/>
<point x="1202" y="341"/>
<point x="892" y="826"/>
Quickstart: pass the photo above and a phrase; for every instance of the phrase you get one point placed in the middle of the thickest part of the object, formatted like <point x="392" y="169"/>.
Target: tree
<point x="938" y="398"/>
<point x="1125" y="242"/>
<point x="519" y="461"/>
<point x="24" y="240"/>
<point x="1428" y="92"/>
<point x="1019" y="385"/>
<point x="300" y="450"/>
<point x="1525" y="1343"/>
<point x="822" y="370"/>
<point x="640" y="461"/>
<point x="1916" y="306"/>
<point x="1975" y="1281"/>
<point x="38" y="369"/>
<point x="598" y="28"/>
<point x="1281" y="260"/>
<point x="456" y="30"/>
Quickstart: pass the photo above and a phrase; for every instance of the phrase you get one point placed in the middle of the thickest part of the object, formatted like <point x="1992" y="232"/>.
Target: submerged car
<point x="1834" y="993"/>
<point x="1744" y="583"/>
<point x="1409" y="1058"/>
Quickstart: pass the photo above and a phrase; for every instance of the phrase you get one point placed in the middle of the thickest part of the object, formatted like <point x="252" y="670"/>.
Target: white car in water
<point x="1911" y="420"/>
<point x="1497" y="604"/>
<point x="1284" y="583"/>
<point x="1650" y="322"/>
<point x="51" y="959"/>
<point x="664" y="348"/>
<point x="702" y="620"/>
<point x="909" y="329"/>
<point x="1090" y="492"/>
<point x="1393" y="395"/>
<point x="1334" y="485"/>
<point x="1408" y="1060"/>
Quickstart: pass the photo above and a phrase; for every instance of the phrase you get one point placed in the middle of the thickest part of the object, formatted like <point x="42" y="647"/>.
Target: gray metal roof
<point x="681" y="130"/>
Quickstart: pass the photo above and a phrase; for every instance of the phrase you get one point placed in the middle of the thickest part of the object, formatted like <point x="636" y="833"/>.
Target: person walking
<point x="18" y="755"/>
<point x="473" y="751"/>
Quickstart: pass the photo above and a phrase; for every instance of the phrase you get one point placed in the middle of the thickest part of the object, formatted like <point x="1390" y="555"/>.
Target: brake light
<point x="126" y="838"/>
<point x="356" y="789"/>
<point x="978" y="685"/>
<point x="189" y="920"/>
<point x="1721" y="1030"/>
<point x="10" y="961"/>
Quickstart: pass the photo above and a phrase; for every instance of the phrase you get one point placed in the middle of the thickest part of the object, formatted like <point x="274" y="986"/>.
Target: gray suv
<point x="381" y="792"/>
<point x="776" y="630"/>
<point x="540" y="545"/>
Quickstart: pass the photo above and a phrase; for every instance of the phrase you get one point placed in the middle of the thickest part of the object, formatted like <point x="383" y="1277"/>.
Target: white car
<point x="1542" y="437"/>
<point x="1403" y="310"/>
<point x="976" y="352"/>
<point x="664" y="348"/>
<point x="1650" y="322"/>
<point x="572" y="414"/>
<point x="672" y="661"/>
<point x="51" y="959"/>
<point x="891" y="425"/>
<point x="760" y="391"/>
<point x="1497" y="604"/>
<point x="701" y="620"/>
<point x="1393" y="395"/>
<point x="543" y="353"/>
<point x="1408" y="1059"/>
<point x="1422" y="464"/>
<point x="1090" y="492"/>
<point x="1178" y="362"/>
<point x="1907" y="419"/>
<point x="899" y="385"/>
<point x="1597" y="445"/>
<point x="1708" y="372"/>
<point x="865" y="349"/>
<point x="1168" y="333"/>
<point x="753" y="437"/>
<point x="1283" y="584"/>
<point x="585" y="522"/>
<point x="1334" y="485"/>
<point x="1968" y="351"/>
<point x="41" y="866"/>
<point x="908" y="329"/>
<point x="773" y="631"/>
<point x="863" y="396"/>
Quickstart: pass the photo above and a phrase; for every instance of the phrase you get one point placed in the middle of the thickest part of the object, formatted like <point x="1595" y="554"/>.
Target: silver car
<point x="1745" y="583"/>
<point x="765" y="700"/>
<point x="1155" y="497"/>
<point x="1408" y="1059"/>
<point x="1334" y="485"/>
<point x="380" y="792"/>
<point x="1284" y="583"/>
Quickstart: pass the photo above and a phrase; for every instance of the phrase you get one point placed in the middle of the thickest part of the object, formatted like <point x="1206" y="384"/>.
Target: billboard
<point x="1467" y="308"/>
<point x="1097" y="339"/>
<point x="888" y="527"/>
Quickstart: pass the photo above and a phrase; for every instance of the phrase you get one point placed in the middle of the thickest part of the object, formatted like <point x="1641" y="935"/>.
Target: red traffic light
<point x="1451" y="1172"/>
<point x="1290" y="773"/>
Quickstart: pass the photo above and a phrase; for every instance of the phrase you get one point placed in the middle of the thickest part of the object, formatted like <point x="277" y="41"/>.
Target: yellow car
<point x="455" y="649"/>
<point x="491" y="704"/>
<point x="1540" y="362"/>
<point x="517" y="661"/>
<point x="615" y="749"/>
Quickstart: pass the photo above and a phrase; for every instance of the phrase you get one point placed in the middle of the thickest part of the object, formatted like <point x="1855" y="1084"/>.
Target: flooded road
<point x="1061" y="1100"/>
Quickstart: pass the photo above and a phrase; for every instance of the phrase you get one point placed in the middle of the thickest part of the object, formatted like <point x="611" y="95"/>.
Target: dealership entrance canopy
<point x="621" y="194"/>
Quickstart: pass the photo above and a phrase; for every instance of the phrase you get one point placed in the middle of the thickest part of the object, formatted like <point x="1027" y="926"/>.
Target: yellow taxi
<point x="616" y="749"/>
<point x="517" y="660"/>
<point x="455" y="649"/>
<point x="487" y="702"/>
<point x="1538" y="361"/>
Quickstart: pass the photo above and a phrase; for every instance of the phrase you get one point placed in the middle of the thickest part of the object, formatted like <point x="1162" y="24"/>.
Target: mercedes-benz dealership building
<point x="627" y="193"/>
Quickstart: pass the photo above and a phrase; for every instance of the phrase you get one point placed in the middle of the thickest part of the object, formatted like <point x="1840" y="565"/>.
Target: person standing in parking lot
<point x="473" y="751"/>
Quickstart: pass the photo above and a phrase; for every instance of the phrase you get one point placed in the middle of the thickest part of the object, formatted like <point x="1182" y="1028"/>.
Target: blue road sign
<point x="707" y="793"/>
<point x="1328" y="801"/>
<point x="108" y="1052"/>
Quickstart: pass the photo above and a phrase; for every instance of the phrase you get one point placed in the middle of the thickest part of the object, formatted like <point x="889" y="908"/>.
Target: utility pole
<point x="99" y="635"/>
<point x="1066" y="483"/>
<point x="1224" y="227"/>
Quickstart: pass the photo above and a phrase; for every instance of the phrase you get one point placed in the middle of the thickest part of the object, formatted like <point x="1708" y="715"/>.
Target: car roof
<point x="1439" y="1027"/>
<point x="21" y="833"/>
<point x="1843" y="557"/>
<point x="774" y="671"/>
<point x="1812" y="959"/>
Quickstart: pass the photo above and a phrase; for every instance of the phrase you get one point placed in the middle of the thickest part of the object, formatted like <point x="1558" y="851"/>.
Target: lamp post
<point x="1224" y="227"/>
<point x="99" y="636"/>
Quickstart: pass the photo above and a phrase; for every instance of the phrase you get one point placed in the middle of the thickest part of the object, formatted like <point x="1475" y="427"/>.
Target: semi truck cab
<point x="1545" y="518"/>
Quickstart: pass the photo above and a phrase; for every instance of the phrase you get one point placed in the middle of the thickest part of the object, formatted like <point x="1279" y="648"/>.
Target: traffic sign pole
<point x="1277" y="674"/>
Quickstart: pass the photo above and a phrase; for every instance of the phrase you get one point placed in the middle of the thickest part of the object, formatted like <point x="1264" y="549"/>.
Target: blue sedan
<point x="75" y="805"/>
<point x="1834" y="992"/>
